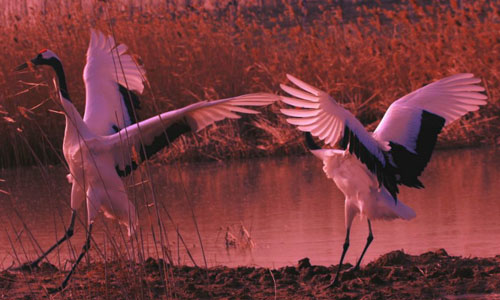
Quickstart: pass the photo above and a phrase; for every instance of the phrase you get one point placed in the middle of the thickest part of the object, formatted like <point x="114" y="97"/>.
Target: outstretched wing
<point x="412" y="123"/>
<point x="110" y="77"/>
<point x="140" y="141"/>
<point x="323" y="117"/>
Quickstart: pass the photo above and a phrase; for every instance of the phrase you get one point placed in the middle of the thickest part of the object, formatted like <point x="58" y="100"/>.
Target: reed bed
<point x="365" y="56"/>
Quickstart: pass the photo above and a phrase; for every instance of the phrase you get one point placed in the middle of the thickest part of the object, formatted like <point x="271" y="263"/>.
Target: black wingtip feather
<point x="411" y="165"/>
<point x="386" y="175"/>
<point x="159" y="142"/>
<point x="128" y="169"/>
<point x="164" y="140"/>
<point x="310" y="142"/>
<point x="430" y="127"/>
<point x="131" y="101"/>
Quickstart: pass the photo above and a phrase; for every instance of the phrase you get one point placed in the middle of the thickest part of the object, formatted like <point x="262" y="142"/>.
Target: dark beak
<point x="27" y="64"/>
<point x="21" y="67"/>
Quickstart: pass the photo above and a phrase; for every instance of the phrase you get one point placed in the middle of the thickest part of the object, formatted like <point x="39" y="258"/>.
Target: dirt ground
<point x="395" y="275"/>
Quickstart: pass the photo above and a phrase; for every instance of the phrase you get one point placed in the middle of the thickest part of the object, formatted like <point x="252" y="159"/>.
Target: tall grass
<point x="366" y="57"/>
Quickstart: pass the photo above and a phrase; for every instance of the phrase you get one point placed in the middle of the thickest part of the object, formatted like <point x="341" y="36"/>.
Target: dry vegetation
<point x="395" y="275"/>
<point x="366" y="57"/>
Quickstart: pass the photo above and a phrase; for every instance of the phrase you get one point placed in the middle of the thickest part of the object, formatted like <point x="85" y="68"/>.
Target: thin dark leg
<point x="368" y="242"/>
<point x="67" y="235"/>
<point x="85" y="248"/>
<point x="336" y="281"/>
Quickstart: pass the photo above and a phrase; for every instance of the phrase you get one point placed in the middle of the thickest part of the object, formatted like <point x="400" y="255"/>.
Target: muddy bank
<point x="395" y="275"/>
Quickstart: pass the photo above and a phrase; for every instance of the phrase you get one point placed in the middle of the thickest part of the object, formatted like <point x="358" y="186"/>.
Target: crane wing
<point x="142" y="140"/>
<point x="110" y="77"/>
<point x="323" y="117"/>
<point x="412" y="123"/>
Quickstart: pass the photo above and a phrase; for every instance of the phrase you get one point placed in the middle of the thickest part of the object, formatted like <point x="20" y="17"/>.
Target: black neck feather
<point x="58" y="68"/>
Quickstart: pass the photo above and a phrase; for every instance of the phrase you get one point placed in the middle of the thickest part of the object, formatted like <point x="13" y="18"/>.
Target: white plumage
<point x="450" y="98"/>
<point x="107" y="143"/>
<point x="326" y="118"/>
<point x="359" y="186"/>
<point x="109" y="66"/>
<point x="371" y="165"/>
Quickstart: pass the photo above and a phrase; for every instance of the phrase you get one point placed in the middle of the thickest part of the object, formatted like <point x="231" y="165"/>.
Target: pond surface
<point x="287" y="205"/>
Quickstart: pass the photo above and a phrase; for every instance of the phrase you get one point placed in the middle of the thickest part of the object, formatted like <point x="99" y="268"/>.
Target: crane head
<point x="44" y="57"/>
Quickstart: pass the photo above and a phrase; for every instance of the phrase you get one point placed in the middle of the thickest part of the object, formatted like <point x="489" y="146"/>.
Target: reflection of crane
<point x="371" y="166"/>
<point x="230" y="239"/>
<point x="106" y="144"/>
<point x="245" y="237"/>
<point x="242" y="240"/>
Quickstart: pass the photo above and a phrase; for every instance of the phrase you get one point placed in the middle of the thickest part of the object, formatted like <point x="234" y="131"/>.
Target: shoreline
<point x="394" y="275"/>
<point x="193" y="156"/>
<point x="197" y="155"/>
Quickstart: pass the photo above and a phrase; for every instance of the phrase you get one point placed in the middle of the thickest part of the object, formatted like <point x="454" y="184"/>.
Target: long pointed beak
<point x="27" y="64"/>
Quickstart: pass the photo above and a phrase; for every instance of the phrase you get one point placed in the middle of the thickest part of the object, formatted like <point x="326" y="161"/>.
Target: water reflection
<point x="290" y="209"/>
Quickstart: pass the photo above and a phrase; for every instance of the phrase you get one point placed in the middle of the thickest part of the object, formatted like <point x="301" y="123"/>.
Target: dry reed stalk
<point x="380" y="53"/>
<point x="365" y="61"/>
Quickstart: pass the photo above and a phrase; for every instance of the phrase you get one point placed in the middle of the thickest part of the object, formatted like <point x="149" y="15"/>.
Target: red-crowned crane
<point x="108" y="142"/>
<point x="370" y="166"/>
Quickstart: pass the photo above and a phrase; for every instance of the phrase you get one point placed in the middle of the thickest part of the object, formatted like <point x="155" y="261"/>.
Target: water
<point x="289" y="207"/>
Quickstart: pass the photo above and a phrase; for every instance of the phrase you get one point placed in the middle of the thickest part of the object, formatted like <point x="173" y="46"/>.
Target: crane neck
<point x="75" y="127"/>
<point x="61" y="77"/>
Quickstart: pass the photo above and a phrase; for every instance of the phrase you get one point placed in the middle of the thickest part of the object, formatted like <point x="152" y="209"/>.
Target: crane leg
<point x="336" y="281"/>
<point x="85" y="248"/>
<point x="67" y="235"/>
<point x="368" y="242"/>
